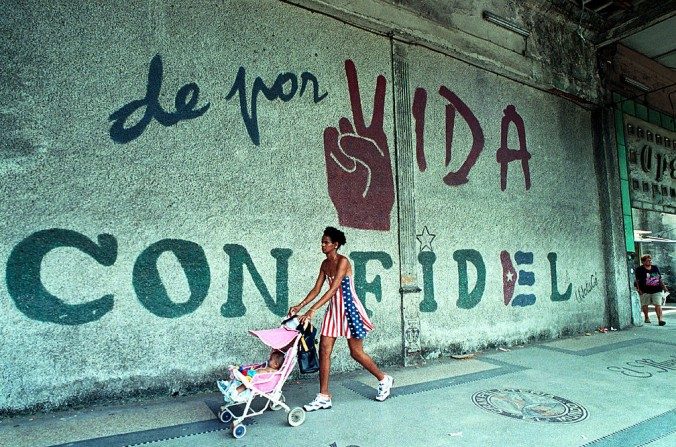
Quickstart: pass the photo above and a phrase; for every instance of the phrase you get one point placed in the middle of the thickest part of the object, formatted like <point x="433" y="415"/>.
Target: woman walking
<point x="344" y="317"/>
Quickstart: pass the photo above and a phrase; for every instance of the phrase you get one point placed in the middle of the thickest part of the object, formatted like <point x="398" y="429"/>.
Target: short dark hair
<point x="644" y="257"/>
<point x="335" y="235"/>
<point x="278" y="355"/>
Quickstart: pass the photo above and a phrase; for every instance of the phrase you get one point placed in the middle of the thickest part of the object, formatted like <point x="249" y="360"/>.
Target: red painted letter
<point x="505" y="155"/>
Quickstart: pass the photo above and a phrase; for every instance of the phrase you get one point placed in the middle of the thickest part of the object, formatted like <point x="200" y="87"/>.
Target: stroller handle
<point x="291" y="317"/>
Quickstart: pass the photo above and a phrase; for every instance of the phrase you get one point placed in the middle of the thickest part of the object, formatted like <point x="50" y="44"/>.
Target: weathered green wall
<point x="138" y="257"/>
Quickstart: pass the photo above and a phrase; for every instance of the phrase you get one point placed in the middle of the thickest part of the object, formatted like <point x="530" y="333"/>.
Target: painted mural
<point x="36" y="302"/>
<point x="497" y="205"/>
<point x="187" y="98"/>
<point x="358" y="165"/>
<point x="181" y="201"/>
<point x="360" y="184"/>
<point x="455" y="106"/>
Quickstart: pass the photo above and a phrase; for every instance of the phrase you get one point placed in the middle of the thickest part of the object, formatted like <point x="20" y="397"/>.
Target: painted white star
<point x="425" y="238"/>
<point x="510" y="276"/>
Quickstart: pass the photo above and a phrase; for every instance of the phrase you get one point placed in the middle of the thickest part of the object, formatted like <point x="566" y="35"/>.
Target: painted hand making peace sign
<point x="358" y="167"/>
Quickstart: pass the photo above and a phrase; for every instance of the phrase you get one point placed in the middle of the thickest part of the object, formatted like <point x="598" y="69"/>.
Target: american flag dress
<point x="345" y="316"/>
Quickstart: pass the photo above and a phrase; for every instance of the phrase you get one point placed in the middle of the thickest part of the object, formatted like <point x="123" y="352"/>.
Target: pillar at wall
<point x="405" y="165"/>
<point x="617" y="262"/>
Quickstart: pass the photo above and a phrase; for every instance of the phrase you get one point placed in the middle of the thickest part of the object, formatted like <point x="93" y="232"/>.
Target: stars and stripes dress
<point x="345" y="316"/>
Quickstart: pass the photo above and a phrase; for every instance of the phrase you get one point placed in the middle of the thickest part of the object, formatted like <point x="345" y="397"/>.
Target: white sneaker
<point x="384" y="388"/>
<point x="321" y="402"/>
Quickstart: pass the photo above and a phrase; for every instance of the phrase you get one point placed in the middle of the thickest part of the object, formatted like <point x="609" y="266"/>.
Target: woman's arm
<point x="293" y="310"/>
<point x="343" y="265"/>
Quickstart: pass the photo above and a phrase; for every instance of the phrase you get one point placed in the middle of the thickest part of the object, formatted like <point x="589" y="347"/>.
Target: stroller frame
<point x="265" y="385"/>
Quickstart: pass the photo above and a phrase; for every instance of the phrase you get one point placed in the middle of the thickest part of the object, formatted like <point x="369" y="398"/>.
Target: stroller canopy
<point x="277" y="338"/>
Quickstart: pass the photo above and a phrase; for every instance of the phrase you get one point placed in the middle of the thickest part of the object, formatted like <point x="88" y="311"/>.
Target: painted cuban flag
<point x="510" y="278"/>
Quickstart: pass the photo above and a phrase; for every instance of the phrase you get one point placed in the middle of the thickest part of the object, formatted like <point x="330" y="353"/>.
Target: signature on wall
<point x="585" y="289"/>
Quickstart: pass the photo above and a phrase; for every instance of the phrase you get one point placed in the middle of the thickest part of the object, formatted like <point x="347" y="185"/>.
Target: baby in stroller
<point x="264" y="381"/>
<point x="235" y="391"/>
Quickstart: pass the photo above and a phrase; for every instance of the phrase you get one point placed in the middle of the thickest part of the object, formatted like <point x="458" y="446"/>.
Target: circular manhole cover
<point x="530" y="405"/>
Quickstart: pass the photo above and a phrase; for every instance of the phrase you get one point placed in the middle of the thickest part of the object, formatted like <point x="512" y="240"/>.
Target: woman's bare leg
<point x="357" y="353"/>
<point x="325" y="350"/>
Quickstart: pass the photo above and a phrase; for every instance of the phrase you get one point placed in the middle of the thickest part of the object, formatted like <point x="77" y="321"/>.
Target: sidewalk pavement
<point x="600" y="390"/>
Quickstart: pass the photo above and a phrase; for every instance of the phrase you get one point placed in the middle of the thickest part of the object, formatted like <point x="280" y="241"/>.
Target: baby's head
<point x="276" y="359"/>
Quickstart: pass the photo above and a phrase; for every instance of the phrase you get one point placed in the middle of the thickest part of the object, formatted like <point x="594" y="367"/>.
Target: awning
<point x="645" y="236"/>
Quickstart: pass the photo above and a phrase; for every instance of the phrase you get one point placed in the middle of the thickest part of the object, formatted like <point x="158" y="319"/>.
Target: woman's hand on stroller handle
<point x="293" y="310"/>
<point x="304" y="319"/>
<point x="307" y="317"/>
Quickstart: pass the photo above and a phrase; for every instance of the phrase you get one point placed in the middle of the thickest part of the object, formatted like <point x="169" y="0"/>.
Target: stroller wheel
<point x="274" y="406"/>
<point x="296" y="417"/>
<point x="225" y="416"/>
<point x="239" y="431"/>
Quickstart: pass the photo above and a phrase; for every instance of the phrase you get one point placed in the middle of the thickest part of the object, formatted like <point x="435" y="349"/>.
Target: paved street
<point x="603" y="389"/>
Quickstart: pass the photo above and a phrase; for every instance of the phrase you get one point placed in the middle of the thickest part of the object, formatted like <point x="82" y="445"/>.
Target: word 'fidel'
<point x="285" y="87"/>
<point x="25" y="286"/>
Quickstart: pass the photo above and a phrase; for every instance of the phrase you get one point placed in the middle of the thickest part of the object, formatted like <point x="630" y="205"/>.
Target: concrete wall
<point x="168" y="168"/>
<point x="651" y="164"/>
<point x="506" y="185"/>
<point x="557" y="56"/>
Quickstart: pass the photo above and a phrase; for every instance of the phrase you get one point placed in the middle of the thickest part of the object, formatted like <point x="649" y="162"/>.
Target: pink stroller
<point x="266" y="385"/>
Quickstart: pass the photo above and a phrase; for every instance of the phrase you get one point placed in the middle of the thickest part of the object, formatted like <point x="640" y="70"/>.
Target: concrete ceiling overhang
<point x="646" y="26"/>
<point x="658" y="42"/>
